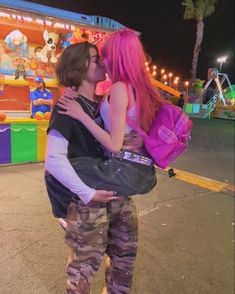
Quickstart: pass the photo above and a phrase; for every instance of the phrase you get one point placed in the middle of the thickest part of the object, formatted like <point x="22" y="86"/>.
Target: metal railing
<point x="203" y="110"/>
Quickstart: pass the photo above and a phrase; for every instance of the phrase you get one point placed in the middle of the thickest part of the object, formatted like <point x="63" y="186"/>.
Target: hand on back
<point x="104" y="196"/>
<point x="133" y="141"/>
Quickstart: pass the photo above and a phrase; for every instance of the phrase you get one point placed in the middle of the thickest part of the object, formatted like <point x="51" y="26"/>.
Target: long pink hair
<point x="124" y="57"/>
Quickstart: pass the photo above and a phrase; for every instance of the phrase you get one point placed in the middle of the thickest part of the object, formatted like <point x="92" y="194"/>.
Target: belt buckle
<point x="131" y="156"/>
<point x="146" y="160"/>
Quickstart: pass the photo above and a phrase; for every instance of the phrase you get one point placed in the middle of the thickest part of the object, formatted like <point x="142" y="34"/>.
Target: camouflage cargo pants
<point x="96" y="229"/>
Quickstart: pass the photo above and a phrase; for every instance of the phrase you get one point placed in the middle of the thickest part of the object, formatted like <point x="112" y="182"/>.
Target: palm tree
<point x="198" y="9"/>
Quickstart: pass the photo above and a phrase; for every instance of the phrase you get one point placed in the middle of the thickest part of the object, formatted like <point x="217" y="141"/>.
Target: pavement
<point x="186" y="225"/>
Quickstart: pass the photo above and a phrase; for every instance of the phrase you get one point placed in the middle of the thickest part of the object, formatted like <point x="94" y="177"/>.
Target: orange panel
<point x="17" y="98"/>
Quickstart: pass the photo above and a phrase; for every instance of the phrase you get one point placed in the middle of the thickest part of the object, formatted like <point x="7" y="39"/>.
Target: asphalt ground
<point x="186" y="225"/>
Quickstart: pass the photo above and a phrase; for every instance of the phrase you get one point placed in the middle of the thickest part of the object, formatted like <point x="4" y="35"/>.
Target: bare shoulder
<point x="118" y="94"/>
<point x="118" y="86"/>
<point x="119" y="89"/>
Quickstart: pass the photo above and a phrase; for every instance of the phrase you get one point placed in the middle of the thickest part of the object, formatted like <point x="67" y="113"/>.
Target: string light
<point x="186" y="85"/>
<point x="170" y="76"/>
<point x="166" y="78"/>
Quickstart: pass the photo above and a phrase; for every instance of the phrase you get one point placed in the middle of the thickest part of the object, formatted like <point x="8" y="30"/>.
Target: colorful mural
<point x="30" y="45"/>
<point x="32" y="38"/>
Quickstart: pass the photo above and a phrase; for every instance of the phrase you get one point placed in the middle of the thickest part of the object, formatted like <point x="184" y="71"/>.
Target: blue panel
<point x="196" y="108"/>
<point x="115" y="25"/>
<point x="58" y="13"/>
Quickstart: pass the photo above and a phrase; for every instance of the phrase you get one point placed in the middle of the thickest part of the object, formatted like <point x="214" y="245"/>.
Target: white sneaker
<point x="63" y="223"/>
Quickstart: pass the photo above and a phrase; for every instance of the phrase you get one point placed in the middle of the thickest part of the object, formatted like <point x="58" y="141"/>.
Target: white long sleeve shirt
<point x="58" y="165"/>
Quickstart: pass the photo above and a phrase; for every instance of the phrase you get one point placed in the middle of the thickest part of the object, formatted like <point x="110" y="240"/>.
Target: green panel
<point x="23" y="143"/>
<point x="189" y="108"/>
<point x="230" y="92"/>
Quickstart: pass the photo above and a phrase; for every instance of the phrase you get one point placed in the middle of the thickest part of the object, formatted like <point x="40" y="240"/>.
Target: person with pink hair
<point x="127" y="169"/>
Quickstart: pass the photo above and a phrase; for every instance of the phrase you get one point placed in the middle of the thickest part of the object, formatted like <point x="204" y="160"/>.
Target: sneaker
<point x="63" y="223"/>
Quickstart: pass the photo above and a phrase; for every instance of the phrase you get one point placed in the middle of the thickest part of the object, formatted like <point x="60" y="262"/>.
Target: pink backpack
<point x="168" y="136"/>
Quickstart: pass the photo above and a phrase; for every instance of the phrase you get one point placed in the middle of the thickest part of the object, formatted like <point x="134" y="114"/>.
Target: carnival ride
<point x="217" y="101"/>
<point x="219" y="79"/>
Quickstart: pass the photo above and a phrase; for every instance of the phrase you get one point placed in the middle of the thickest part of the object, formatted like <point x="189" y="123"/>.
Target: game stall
<point x="32" y="37"/>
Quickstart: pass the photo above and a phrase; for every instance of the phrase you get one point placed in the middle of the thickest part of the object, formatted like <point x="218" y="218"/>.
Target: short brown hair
<point x="73" y="64"/>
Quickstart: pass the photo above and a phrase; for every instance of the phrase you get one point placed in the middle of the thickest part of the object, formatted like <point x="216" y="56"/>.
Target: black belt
<point x="133" y="157"/>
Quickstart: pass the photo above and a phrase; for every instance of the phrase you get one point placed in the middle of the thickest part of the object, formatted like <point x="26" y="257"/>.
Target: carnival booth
<point x="32" y="37"/>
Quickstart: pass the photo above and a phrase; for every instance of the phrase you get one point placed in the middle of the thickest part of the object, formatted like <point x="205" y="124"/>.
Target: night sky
<point x="166" y="36"/>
